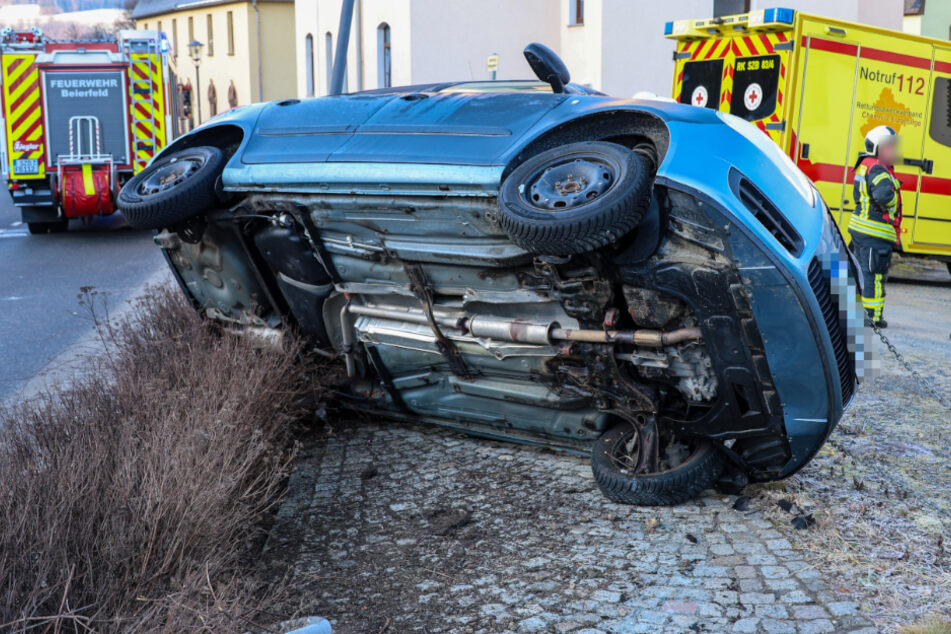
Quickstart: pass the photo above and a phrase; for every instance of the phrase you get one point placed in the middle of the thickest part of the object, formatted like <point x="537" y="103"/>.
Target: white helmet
<point x="877" y="137"/>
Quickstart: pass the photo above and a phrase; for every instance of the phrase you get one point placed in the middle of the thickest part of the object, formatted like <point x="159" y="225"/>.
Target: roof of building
<point x="146" y="8"/>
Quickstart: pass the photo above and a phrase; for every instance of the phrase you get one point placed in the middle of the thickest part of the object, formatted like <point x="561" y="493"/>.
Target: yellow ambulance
<point x="816" y="86"/>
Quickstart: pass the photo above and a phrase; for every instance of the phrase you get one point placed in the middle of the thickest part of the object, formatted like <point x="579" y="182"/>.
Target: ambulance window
<point x="755" y="82"/>
<point x="940" y="127"/>
<point x="730" y="7"/>
<point x="701" y="83"/>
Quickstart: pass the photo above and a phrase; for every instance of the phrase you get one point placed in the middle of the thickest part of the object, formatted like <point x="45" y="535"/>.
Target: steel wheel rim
<point x="624" y="450"/>
<point x="170" y="175"/>
<point x="569" y="184"/>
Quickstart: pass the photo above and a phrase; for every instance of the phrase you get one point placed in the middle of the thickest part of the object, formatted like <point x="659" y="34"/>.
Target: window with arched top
<point x="384" y="71"/>
<point x="309" y="63"/>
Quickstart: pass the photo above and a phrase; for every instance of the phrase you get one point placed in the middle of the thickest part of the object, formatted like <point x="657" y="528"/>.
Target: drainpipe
<point x="257" y="18"/>
<point x="359" y="42"/>
<point x="343" y="41"/>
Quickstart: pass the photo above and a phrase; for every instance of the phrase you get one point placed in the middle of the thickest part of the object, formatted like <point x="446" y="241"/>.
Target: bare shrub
<point x="136" y="498"/>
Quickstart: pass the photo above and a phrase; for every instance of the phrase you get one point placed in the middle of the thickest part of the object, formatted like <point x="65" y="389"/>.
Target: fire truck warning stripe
<point x="22" y="124"/>
<point x="26" y="98"/>
<point x="26" y="72"/>
<point x="15" y="64"/>
<point x="36" y="126"/>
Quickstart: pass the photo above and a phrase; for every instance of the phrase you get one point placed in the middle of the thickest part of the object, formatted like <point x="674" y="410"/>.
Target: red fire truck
<point x="78" y="119"/>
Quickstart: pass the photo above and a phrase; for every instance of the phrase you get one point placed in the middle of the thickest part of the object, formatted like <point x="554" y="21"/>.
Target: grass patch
<point x="931" y="625"/>
<point x="137" y="499"/>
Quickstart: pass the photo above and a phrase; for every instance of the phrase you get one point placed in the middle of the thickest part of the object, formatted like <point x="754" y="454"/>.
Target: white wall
<point x="636" y="55"/>
<point x="305" y="21"/>
<point x="452" y="39"/>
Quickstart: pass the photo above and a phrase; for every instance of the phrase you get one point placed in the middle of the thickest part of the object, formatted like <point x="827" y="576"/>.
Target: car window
<point x="940" y="127"/>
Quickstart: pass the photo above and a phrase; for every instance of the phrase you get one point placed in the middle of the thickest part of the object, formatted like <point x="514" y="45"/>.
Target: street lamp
<point x="194" y="49"/>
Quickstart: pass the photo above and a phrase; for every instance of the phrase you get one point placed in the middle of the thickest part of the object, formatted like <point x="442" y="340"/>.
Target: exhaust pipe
<point x="521" y="331"/>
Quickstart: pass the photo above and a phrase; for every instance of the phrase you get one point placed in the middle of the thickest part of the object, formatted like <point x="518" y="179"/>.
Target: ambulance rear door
<point x="931" y="219"/>
<point x="737" y="64"/>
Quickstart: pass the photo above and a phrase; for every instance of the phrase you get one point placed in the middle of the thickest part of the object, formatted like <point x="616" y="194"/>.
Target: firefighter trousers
<point x="874" y="256"/>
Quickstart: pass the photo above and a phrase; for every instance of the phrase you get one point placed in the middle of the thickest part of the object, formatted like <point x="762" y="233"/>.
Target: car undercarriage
<point x="439" y="317"/>
<point x="550" y="269"/>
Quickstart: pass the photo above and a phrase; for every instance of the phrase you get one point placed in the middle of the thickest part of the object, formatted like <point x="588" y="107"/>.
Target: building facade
<point x="246" y="53"/>
<point x="931" y="18"/>
<point x="616" y="46"/>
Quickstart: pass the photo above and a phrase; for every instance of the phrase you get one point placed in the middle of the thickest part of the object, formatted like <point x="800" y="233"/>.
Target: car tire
<point x="680" y="484"/>
<point x="575" y="198"/>
<point x="163" y="195"/>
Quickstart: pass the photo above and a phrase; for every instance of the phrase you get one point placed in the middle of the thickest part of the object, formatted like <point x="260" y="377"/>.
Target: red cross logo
<point x="699" y="96"/>
<point x="753" y="96"/>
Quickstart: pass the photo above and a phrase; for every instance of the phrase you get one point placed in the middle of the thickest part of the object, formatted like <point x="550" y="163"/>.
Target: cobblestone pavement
<point x="398" y="528"/>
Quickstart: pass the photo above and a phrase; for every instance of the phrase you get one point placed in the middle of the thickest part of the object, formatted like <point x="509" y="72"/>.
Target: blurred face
<point x="888" y="153"/>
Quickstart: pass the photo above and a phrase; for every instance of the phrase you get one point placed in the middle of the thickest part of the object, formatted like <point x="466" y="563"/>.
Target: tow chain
<point x="928" y="385"/>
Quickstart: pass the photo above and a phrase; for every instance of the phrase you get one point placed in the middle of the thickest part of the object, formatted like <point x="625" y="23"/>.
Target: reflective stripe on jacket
<point x="877" y="196"/>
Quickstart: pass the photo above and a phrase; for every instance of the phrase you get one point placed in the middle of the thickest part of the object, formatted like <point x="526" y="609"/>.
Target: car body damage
<point x="714" y="333"/>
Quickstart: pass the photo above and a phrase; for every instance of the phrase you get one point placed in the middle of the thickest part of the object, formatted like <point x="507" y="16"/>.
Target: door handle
<point x="926" y="165"/>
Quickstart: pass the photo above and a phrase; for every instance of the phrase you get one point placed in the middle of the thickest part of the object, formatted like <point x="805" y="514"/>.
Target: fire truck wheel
<point x="172" y="189"/>
<point x="575" y="198"/>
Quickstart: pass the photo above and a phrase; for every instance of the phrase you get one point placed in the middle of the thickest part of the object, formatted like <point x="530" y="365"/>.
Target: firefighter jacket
<point x="877" y="196"/>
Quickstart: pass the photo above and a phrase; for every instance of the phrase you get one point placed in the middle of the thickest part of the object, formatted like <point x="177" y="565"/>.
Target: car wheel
<point x="681" y="474"/>
<point x="575" y="198"/>
<point x="172" y="189"/>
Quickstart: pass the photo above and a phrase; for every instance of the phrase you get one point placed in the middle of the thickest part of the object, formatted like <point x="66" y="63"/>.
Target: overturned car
<point x="654" y="284"/>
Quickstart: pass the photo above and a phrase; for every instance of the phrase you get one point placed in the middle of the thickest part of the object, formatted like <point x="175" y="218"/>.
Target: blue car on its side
<point x="652" y="283"/>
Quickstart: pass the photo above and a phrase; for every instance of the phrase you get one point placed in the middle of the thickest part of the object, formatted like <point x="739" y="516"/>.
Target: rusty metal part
<point x="651" y="308"/>
<point x="347" y="341"/>
<point x="520" y="331"/>
<point x="517" y="330"/>
<point x="420" y="287"/>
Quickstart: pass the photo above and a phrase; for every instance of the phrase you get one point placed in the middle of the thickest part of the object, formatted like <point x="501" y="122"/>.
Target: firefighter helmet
<point x="879" y="136"/>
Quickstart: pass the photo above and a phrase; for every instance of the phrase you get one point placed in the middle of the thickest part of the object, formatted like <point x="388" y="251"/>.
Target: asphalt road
<point x="40" y="278"/>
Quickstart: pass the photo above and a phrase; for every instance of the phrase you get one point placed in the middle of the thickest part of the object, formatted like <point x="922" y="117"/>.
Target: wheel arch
<point x="227" y="137"/>
<point x="628" y="127"/>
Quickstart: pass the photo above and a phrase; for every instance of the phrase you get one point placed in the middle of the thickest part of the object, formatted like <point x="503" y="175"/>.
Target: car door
<point x="822" y="129"/>
<point x="931" y="218"/>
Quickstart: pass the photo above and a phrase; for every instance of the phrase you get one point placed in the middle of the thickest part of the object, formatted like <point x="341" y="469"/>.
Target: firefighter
<point x="876" y="220"/>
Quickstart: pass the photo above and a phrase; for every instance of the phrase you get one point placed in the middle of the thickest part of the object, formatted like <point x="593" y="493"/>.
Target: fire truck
<point x="79" y="118"/>
<point x="816" y="86"/>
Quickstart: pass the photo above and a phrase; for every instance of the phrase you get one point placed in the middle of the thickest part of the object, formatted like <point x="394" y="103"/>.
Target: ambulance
<point x="78" y="118"/>
<point x="816" y="86"/>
